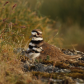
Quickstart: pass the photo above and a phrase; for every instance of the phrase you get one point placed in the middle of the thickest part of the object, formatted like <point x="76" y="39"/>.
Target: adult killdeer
<point x="39" y="48"/>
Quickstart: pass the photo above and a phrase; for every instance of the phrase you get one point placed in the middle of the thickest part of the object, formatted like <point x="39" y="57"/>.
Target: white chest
<point x="33" y="55"/>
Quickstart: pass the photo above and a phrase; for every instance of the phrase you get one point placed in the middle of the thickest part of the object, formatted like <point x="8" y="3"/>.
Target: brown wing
<point x="55" y="54"/>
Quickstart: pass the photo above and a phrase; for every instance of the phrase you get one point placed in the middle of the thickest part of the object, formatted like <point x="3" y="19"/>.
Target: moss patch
<point x="76" y="75"/>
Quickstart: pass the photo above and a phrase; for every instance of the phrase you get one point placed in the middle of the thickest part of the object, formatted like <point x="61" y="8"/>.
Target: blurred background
<point x="69" y="20"/>
<point x="69" y="17"/>
<point x="62" y="21"/>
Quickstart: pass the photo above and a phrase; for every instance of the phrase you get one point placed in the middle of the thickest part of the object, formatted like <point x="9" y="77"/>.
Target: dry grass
<point x="16" y="24"/>
<point x="11" y="68"/>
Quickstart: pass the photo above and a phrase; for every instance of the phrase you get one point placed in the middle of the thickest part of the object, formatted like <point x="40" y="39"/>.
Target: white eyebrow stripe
<point x="33" y="33"/>
<point x="37" y="39"/>
<point x="31" y="44"/>
<point x="40" y="32"/>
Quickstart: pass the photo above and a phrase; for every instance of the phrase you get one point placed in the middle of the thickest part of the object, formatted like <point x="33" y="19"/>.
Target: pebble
<point x="79" y="81"/>
<point x="45" y="68"/>
<point x="72" y="52"/>
<point x="27" y="67"/>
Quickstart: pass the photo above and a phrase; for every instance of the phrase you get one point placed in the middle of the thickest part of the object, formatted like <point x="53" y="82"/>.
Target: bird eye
<point x="37" y="33"/>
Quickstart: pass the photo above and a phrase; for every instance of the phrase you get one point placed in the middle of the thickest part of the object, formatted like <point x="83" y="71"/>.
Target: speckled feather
<point x="55" y="53"/>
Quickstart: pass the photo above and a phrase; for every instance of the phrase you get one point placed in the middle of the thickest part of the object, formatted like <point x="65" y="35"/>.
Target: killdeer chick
<point x="39" y="48"/>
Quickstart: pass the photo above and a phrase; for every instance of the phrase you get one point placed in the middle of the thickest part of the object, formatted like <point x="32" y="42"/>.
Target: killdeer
<point x="39" y="48"/>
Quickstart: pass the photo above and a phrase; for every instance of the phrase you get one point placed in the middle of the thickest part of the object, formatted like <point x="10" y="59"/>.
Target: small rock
<point x="79" y="52"/>
<point x="67" y="70"/>
<point x="80" y="80"/>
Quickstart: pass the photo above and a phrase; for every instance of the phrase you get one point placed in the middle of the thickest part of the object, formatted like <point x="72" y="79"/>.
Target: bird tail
<point x="73" y="57"/>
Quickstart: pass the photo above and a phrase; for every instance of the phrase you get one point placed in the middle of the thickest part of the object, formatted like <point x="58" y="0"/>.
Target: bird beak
<point x="31" y="36"/>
